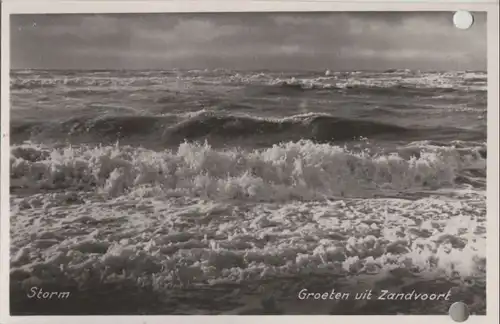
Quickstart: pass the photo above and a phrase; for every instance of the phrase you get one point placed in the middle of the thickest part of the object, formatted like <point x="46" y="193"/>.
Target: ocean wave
<point x="289" y="86"/>
<point x="296" y="170"/>
<point x="203" y="125"/>
<point x="383" y="82"/>
<point x="367" y="81"/>
<point x="315" y="126"/>
<point x="381" y="86"/>
<point x="96" y="82"/>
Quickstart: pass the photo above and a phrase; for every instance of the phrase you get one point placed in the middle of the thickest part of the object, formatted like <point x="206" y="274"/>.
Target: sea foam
<point x="296" y="170"/>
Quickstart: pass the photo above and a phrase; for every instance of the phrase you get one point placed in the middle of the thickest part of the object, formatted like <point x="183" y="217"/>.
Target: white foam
<point x="301" y="170"/>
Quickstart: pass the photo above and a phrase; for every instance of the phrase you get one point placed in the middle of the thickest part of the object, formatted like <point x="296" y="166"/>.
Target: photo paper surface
<point x="247" y="163"/>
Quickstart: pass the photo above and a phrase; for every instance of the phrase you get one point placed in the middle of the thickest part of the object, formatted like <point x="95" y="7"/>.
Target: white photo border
<point x="151" y="6"/>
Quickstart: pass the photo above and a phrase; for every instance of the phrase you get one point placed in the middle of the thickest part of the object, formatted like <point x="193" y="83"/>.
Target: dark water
<point x="264" y="108"/>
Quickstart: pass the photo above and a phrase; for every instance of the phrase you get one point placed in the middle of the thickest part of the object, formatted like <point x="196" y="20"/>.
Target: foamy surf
<point x="302" y="170"/>
<point x="171" y="244"/>
<point x="197" y="217"/>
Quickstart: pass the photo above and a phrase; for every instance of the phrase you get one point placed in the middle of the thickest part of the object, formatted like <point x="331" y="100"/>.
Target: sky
<point x="242" y="41"/>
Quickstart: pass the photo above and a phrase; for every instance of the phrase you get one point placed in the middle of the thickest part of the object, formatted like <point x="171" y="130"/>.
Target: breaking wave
<point x="392" y="81"/>
<point x="174" y="129"/>
<point x="381" y="89"/>
<point x="289" y="171"/>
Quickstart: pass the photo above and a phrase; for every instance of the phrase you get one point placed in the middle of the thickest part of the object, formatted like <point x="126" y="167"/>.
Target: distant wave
<point x="173" y="129"/>
<point x="346" y="81"/>
<point x="392" y="82"/>
<point x="98" y="82"/>
<point x="295" y="170"/>
<point x="31" y="85"/>
<point x="392" y="90"/>
<point x="389" y="86"/>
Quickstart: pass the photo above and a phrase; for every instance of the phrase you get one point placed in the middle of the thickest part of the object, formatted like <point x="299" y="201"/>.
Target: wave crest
<point x="205" y="125"/>
<point x="295" y="170"/>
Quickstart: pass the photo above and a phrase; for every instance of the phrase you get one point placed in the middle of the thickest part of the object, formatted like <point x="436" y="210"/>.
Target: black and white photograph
<point x="248" y="163"/>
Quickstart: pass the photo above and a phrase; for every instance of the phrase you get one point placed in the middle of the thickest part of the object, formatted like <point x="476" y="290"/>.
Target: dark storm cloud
<point x="375" y="40"/>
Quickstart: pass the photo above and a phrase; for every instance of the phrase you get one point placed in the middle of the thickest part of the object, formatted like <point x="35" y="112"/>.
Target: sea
<point x="229" y="192"/>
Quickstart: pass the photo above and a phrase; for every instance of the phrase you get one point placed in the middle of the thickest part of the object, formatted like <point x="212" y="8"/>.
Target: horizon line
<point x="241" y="70"/>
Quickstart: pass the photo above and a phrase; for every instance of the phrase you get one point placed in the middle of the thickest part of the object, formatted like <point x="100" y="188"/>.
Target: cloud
<point x="87" y="27"/>
<point x="192" y="31"/>
<point x="245" y="40"/>
<point x="404" y="54"/>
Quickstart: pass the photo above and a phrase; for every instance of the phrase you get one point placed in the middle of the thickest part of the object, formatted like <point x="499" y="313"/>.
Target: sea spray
<point x="295" y="170"/>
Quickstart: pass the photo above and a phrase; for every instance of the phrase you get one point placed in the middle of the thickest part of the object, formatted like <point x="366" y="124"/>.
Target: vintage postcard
<point x="246" y="162"/>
